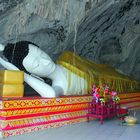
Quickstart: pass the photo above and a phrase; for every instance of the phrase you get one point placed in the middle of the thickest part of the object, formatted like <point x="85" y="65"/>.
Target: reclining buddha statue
<point x="72" y="75"/>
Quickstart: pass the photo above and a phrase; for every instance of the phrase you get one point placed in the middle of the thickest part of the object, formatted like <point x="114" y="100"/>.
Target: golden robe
<point x="97" y="74"/>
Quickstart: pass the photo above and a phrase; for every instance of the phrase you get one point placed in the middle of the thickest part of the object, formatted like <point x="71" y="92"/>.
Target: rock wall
<point x="111" y="34"/>
<point x="47" y="23"/>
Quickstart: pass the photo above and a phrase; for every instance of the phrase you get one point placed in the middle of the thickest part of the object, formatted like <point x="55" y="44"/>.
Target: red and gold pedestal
<point x="21" y="115"/>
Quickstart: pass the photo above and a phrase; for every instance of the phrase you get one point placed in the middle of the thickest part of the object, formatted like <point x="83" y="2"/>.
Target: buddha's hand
<point x="7" y="64"/>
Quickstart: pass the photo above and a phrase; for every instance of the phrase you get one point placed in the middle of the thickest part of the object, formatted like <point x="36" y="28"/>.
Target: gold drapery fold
<point x="97" y="74"/>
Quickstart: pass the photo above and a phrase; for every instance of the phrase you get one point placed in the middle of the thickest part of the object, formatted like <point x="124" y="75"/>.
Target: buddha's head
<point x="30" y="58"/>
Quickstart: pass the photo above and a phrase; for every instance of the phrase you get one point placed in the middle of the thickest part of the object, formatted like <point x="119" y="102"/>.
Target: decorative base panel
<point x="23" y="115"/>
<point x="20" y="131"/>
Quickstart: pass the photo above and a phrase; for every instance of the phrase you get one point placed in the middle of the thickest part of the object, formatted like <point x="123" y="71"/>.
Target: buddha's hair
<point x="16" y="52"/>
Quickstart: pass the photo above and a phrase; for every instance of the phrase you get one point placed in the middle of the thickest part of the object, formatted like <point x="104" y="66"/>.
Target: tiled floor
<point x="110" y="130"/>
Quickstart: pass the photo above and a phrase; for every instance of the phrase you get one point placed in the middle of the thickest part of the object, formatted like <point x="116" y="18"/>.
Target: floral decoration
<point x="102" y="94"/>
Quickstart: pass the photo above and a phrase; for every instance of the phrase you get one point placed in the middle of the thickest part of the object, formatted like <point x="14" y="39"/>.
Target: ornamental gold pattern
<point x="28" y="111"/>
<point x="11" y="124"/>
<point x="40" y="102"/>
<point x="23" y="115"/>
<point x="20" y="131"/>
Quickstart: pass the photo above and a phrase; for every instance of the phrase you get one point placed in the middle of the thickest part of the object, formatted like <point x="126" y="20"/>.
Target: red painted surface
<point x="40" y="114"/>
<point x="101" y="111"/>
<point x="41" y="123"/>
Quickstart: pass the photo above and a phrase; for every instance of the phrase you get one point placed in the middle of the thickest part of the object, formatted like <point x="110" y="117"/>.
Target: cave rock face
<point x="105" y="31"/>
<point x="47" y="23"/>
<point x="111" y="34"/>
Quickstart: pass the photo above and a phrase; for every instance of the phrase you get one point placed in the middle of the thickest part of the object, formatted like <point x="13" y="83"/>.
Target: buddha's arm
<point x="42" y="88"/>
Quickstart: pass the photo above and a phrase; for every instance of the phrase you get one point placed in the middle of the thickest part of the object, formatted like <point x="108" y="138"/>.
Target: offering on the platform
<point x="11" y="77"/>
<point x="103" y="94"/>
<point x="130" y="120"/>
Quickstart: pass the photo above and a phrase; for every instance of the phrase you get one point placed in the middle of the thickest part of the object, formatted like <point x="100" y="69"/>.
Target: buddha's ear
<point x="2" y="47"/>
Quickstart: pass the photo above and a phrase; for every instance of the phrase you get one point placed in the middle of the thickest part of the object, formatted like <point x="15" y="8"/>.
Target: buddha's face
<point x="38" y="62"/>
